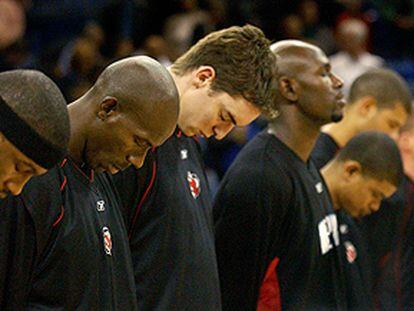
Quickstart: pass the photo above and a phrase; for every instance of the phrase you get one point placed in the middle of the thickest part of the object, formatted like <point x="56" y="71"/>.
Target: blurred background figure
<point x="313" y="30"/>
<point x="353" y="58"/>
<point x="12" y="22"/>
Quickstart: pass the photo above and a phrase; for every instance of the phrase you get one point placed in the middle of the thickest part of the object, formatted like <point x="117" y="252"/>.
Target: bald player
<point x="70" y="250"/>
<point x="276" y="232"/>
<point x="34" y="128"/>
<point x="379" y="100"/>
<point x="224" y="80"/>
<point x="366" y="171"/>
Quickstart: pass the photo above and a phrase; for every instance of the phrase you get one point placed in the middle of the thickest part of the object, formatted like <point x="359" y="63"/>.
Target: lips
<point x="340" y="100"/>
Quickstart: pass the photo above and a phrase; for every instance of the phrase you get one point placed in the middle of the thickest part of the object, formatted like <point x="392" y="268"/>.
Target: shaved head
<point x="132" y="107"/>
<point x="293" y="54"/>
<point x="305" y="83"/>
<point x="141" y="84"/>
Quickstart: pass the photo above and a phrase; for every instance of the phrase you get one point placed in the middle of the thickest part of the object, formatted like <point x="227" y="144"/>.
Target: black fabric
<point x="26" y="139"/>
<point x="272" y="205"/>
<point x="390" y="234"/>
<point x="357" y="267"/>
<point x="53" y="255"/>
<point x="325" y="150"/>
<point x="171" y="238"/>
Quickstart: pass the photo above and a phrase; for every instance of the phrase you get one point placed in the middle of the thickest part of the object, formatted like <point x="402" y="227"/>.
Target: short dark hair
<point x="385" y="85"/>
<point x="242" y="59"/>
<point x="38" y="102"/>
<point x="378" y="155"/>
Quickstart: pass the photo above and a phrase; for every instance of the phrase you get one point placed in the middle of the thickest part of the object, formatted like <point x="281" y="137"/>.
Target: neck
<point x="296" y="130"/>
<point x="79" y="118"/>
<point x="341" y="132"/>
<point x="328" y="173"/>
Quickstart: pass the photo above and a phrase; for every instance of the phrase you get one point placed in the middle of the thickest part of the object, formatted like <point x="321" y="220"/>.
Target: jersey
<point x="169" y="216"/>
<point x="357" y="267"/>
<point x="390" y="232"/>
<point x="276" y="233"/>
<point x="67" y="231"/>
<point x="354" y="247"/>
<point x="325" y="150"/>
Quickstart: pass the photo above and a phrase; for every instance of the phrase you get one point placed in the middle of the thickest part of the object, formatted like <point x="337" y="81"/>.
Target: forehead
<point x="240" y="108"/>
<point x="382" y="186"/>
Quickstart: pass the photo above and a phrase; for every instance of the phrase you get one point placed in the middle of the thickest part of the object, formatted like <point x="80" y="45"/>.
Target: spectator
<point x="313" y="30"/>
<point x="353" y="59"/>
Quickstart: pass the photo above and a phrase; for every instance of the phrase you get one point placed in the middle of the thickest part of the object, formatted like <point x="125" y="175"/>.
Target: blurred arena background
<point x="73" y="40"/>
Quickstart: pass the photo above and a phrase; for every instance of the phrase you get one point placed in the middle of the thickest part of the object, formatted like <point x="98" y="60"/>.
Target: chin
<point x="337" y="117"/>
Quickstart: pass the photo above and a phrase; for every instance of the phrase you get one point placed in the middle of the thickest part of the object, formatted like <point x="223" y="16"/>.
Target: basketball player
<point x="390" y="234"/>
<point x="367" y="170"/>
<point x="379" y="100"/>
<point x="34" y="128"/>
<point x="224" y="81"/>
<point x="276" y="231"/>
<point x="65" y="247"/>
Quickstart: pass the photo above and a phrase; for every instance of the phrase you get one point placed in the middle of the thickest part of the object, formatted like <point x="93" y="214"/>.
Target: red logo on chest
<point x="194" y="183"/>
<point x="107" y="241"/>
<point x="351" y="253"/>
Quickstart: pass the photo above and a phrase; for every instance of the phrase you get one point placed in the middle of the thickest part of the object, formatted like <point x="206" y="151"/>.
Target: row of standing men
<point x="279" y="235"/>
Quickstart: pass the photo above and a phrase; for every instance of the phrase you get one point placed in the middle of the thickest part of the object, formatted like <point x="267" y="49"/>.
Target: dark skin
<point x="109" y="134"/>
<point x="309" y="95"/>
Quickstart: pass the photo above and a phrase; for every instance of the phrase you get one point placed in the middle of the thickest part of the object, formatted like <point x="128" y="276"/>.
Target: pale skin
<point x="364" y="115"/>
<point x="208" y="113"/>
<point x="406" y="146"/>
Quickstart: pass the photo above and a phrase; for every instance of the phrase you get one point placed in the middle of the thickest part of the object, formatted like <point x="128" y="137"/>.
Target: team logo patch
<point x="319" y="187"/>
<point x="100" y="206"/>
<point x="184" y="154"/>
<point x="194" y="183"/>
<point x="107" y="241"/>
<point x="351" y="253"/>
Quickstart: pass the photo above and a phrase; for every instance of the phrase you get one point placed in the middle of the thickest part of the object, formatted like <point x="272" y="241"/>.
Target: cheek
<point x="6" y="166"/>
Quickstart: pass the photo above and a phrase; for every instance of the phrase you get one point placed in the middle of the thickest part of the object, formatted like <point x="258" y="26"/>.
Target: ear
<point x="405" y="141"/>
<point x="351" y="170"/>
<point x="204" y="75"/>
<point x="288" y="88"/>
<point x="107" y="107"/>
<point x="367" y="106"/>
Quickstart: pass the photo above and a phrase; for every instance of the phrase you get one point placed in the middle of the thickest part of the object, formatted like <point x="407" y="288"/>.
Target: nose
<point x="375" y="206"/>
<point x="137" y="160"/>
<point x="337" y="81"/>
<point x="221" y="130"/>
<point x="16" y="184"/>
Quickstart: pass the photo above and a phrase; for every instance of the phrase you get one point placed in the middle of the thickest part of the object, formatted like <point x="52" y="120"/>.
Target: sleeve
<point x="248" y="212"/>
<point x="131" y="185"/>
<point x="26" y="224"/>
<point x="17" y="253"/>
